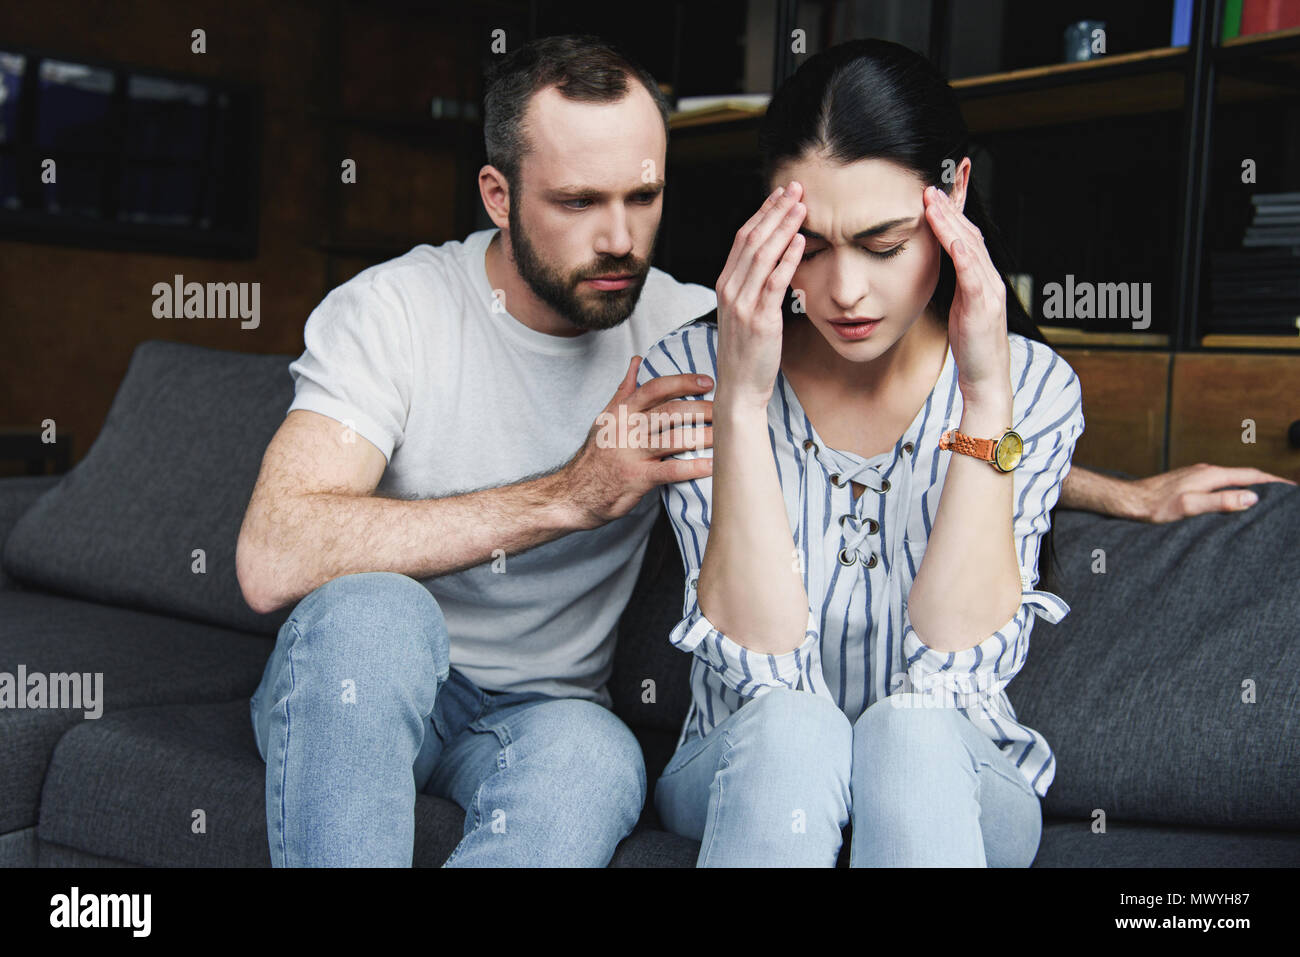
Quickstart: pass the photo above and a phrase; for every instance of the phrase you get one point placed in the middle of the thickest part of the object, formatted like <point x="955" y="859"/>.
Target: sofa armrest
<point x="17" y="495"/>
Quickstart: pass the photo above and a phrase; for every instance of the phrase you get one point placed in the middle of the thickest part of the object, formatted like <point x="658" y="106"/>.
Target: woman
<point x="859" y="590"/>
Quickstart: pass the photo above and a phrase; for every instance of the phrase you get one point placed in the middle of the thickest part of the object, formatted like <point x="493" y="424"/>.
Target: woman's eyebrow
<point x="874" y="230"/>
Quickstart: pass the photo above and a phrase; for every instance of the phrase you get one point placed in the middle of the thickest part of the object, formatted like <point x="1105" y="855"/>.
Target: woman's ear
<point x="961" y="180"/>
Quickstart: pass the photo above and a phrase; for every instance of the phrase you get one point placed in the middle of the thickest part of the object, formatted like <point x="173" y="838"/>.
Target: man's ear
<point x="495" y="192"/>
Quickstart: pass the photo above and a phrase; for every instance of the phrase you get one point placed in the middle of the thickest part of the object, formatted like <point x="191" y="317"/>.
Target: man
<point x="438" y="408"/>
<point x="458" y="543"/>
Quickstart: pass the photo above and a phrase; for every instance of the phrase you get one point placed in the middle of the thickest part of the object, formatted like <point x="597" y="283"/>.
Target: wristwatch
<point x="1003" y="452"/>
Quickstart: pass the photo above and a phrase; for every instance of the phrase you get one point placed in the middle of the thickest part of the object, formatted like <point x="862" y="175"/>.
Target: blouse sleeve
<point x="1050" y="427"/>
<point x="746" y="672"/>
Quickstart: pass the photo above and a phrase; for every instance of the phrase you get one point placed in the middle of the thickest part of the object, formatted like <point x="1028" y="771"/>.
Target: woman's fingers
<point x="770" y="257"/>
<point x="961" y="245"/>
<point x="779" y="280"/>
<point x="967" y="232"/>
<point x="756" y="240"/>
<point x="969" y="276"/>
<point x="744" y="230"/>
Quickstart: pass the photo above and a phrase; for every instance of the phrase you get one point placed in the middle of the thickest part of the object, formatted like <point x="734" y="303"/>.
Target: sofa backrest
<point x="150" y="517"/>
<point x="1171" y="690"/>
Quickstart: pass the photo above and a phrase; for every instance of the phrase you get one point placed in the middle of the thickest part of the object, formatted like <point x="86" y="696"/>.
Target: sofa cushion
<point x="144" y="658"/>
<point x="1075" y="844"/>
<point x="650" y="684"/>
<point x="171" y="472"/>
<point x="1141" y="689"/>
<point x="17" y="495"/>
<point x="1063" y="844"/>
<point x="126" y="788"/>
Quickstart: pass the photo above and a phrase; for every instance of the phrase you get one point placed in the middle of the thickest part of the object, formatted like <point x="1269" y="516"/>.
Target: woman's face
<point x="869" y="252"/>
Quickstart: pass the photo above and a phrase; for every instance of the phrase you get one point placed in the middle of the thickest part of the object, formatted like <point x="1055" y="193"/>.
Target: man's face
<point x="589" y="204"/>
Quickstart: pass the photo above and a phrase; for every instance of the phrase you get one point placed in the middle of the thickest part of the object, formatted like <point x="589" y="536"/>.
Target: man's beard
<point x="603" y="310"/>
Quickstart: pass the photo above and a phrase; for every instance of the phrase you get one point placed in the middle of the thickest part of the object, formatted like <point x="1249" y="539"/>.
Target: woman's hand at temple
<point x="968" y="584"/>
<point x="750" y="292"/>
<point x="977" y="320"/>
<point x="750" y="586"/>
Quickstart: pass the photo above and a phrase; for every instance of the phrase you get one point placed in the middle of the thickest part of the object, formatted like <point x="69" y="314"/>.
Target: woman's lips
<point x="853" y="330"/>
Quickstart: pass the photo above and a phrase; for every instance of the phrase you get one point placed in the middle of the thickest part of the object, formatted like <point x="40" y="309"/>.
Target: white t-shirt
<point x="459" y="397"/>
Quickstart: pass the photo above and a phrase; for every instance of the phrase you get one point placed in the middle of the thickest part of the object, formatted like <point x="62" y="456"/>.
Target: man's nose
<point x="615" y="238"/>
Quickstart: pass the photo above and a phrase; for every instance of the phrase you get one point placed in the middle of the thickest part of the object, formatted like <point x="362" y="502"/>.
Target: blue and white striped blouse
<point x="860" y="558"/>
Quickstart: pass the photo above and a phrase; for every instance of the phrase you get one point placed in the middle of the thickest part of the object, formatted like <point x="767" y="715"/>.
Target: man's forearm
<point x="302" y="541"/>
<point x="1088" y="491"/>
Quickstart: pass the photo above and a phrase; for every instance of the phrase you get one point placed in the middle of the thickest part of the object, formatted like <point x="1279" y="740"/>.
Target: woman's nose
<point x="848" y="286"/>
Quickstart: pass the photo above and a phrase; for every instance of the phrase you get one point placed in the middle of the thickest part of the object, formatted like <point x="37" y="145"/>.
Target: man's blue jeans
<point x="778" y="780"/>
<point x="359" y="710"/>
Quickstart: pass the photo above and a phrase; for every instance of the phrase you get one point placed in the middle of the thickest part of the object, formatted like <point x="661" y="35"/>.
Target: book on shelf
<point x="1276" y="220"/>
<point x="1265" y="16"/>
<point x="1231" y="20"/>
<point x="1255" y="290"/>
<point x="1268" y="239"/>
<point x="1180" y="34"/>
<point x="704" y="109"/>
<point x="1275" y="199"/>
<point x="1275" y="286"/>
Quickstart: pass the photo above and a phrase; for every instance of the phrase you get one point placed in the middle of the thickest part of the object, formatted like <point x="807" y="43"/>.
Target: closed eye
<point x="881" y="254"/>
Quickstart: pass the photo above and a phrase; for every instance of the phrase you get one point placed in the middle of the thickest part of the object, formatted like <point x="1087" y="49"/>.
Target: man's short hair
<point x="581" y="67"/>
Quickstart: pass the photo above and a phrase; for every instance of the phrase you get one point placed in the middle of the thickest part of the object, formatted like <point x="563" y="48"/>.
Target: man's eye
<point x="569" y="203"/>
<point x="809" y="255"/>
<point x="646" y="198"/>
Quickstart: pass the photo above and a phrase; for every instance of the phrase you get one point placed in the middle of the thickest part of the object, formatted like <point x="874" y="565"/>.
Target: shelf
<point x="1261" y="66"/>
<point x="1276" y="40"/>
<point x="1224" y="340"/>
<point x="1058" y="74"/>
<point x="1121" y="84"/>
<point x="720" y="140"/>
<point x="1065" y="336"/>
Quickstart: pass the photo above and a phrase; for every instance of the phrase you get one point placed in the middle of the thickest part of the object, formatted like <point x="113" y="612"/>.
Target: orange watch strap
<point x="981" y="449"/>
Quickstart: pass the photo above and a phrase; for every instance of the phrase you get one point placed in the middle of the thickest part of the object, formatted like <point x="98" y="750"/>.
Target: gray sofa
<point x="1170" y="692"/>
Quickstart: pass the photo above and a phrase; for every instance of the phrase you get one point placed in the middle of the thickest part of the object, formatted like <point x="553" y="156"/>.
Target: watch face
<point x="1010" y="449"/>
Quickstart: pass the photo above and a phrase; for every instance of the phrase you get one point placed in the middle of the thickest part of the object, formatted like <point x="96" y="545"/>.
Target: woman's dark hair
<point x="873" y="99"/>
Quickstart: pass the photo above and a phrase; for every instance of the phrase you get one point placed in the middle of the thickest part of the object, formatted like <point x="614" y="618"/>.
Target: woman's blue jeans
<point x="359" y="710"/>
<point x="776" y="783"/>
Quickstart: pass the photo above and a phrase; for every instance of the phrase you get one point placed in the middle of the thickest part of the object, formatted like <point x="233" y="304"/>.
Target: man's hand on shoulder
<point x="628" y="447"/>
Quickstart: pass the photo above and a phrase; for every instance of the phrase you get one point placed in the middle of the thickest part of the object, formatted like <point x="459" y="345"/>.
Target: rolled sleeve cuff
<point x="748" y="673"/>
<point x="961" y="679"/>
<point x="315" y="399"/>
